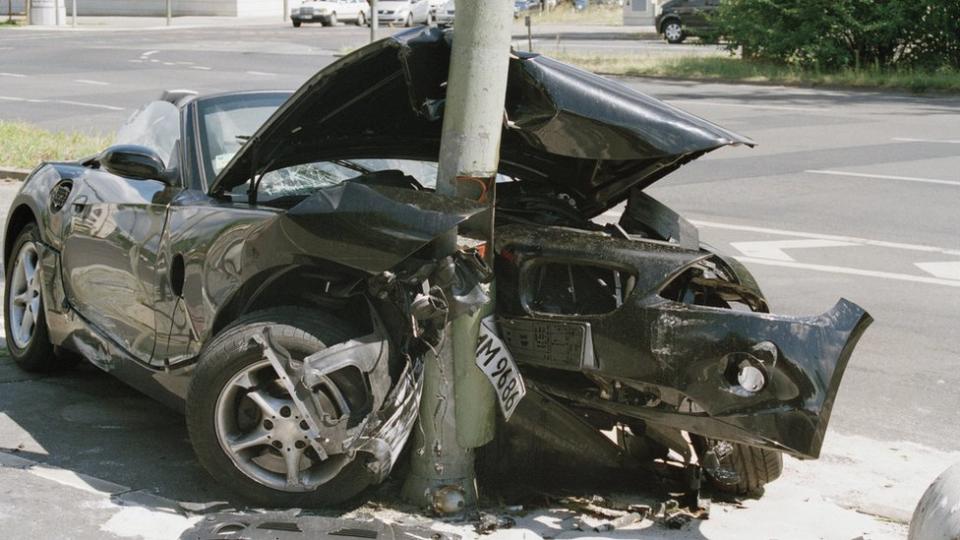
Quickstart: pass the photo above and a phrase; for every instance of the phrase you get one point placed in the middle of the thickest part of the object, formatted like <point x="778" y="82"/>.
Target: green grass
<point x="737" y="70"/>
<point x="24" y="146"/>
<point x="565" y="14"/>
<point x="9" y="22"/>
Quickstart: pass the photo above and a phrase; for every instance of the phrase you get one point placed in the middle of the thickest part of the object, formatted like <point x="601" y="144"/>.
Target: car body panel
<point x="593" y="136"/>
<point x="320" y="11"/>
<point x="397" y="11"/>
<point x="678" y="357"/>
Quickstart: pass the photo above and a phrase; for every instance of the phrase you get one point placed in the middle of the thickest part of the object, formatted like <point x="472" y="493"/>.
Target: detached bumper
<point x="757" y="378"/>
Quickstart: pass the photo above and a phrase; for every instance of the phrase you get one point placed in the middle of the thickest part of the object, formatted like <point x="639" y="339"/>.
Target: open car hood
<point x="582" y="133"/>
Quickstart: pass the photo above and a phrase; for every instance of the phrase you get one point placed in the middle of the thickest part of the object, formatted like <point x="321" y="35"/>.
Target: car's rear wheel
<point x="673" y="31"/>
<point x="738" y="469"/>
<point x="25" y="323"/>
<point x="245" y="428"/>
<point x="296" y="23"/>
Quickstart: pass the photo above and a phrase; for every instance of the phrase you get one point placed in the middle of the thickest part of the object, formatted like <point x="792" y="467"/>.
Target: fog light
<point x="750" y="378"/>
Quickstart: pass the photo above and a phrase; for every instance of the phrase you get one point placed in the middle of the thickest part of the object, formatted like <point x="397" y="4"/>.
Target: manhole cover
<point x="119" y="413"/>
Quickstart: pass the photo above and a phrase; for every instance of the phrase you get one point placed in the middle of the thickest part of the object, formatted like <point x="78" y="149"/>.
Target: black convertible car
<point x="265" y="261"/>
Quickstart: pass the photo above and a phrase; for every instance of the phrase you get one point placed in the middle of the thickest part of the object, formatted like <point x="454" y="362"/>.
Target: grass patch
<point x="24" y="146"/>
<point x="9" y="22"/>
<point x="738" y="70"/>
<point x="565" y="14"/>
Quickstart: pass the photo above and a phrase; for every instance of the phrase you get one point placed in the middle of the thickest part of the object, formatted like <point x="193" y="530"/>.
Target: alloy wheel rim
<point x="259" y="427"/>
<point x="24" y="300"/>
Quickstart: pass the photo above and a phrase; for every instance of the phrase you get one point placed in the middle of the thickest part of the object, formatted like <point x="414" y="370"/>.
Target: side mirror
<point x="135" y="162"/>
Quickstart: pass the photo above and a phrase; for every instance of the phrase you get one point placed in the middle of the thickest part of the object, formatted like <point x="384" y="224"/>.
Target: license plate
<point x="306" y="16"/>
<point x="496" y="362"/>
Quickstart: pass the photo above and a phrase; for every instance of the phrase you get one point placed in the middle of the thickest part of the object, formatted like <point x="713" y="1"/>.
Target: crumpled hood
<point x="585" y="134"/>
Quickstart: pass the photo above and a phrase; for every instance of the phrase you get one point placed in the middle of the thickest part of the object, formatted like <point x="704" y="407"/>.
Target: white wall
<point x="158" y="8"/>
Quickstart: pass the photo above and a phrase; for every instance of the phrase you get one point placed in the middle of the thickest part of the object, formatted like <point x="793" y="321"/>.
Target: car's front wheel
<point x="737" y="468"/>
<point x="331" y="20"/>
<point x="673" y="32"/>
<point x="409" y="21"/>
<point x="245" y="428"/>
<point x="361" y="19"/>
<point x="23" y="315"/>
<point x="296" y="23"/>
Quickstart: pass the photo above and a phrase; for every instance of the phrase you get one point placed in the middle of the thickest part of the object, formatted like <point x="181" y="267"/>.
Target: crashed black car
<point x="265" y="261"/>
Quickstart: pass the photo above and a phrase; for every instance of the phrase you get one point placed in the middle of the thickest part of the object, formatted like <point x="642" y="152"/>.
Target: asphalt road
<point x="848" y="194"/>
<point x="92" y="80"/>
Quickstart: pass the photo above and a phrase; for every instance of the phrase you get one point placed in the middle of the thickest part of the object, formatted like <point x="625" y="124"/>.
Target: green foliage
<point x="835" y="34"/>
<point x="24" y="145"/>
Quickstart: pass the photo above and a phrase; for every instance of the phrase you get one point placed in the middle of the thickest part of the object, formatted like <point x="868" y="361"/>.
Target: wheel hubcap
<point x="260" y="429"/>
<point x="673" y="31"/>
<point x="24" y="301"/>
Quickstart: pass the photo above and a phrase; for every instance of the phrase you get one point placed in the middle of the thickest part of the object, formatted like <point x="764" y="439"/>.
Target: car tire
<point x="408" y="22"/>
<point x="23" y="297"/>
<point x="754" y="467"/>
<point x="332" y="19"/>
<point x="301" y="331"/>
<point x="296" y="23"/>
<point x="673" y="32"/>
<point x="361" y="19"/>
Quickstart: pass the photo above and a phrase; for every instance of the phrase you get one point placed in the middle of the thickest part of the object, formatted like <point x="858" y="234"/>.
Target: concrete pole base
<point x="937" y="516"/>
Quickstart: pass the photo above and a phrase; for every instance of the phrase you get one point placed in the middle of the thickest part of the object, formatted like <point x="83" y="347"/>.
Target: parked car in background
<point x="405" y="12"/>
<point x="445" y="15"/>
<point x="435" y="6"/>
<point x="522" y="7"/>
<point x="678" y="19"/>
<point x="330" y="12"/>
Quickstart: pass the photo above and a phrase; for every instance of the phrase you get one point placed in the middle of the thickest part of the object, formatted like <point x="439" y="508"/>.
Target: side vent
<point x="59" y="194"/>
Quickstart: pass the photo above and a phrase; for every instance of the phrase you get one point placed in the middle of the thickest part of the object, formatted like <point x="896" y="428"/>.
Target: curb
<point x="13" y="173"/>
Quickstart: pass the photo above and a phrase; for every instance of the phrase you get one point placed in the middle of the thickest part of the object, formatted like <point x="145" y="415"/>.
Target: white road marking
<point x="852" y="271"/>
<point x="774" y="249"/>
<point x="263" y="73"/>
<point x="135" y="61"/>
<point x="62" y="101"/>
<point x="838" y="238"/>
<point x="938" y="141"/>
<point x="169" y="64"/>
<point x="83" y="104"/>
<point x="945" y="270"/>
<point x="89" y="81"/>
<point x="149" y="53"/>
<point x="746" y="105"/>
<point x="203" y="68"/>
<point x="888" y="177"/>
<point x="17" y="75"/>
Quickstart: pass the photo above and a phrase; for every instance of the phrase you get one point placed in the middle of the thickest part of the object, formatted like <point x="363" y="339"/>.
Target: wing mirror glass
<point x="134" y="162"/>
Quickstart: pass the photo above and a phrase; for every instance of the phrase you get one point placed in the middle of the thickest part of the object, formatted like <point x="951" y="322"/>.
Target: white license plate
<point x="496" y="362"/>
<point x="306" y="16"/>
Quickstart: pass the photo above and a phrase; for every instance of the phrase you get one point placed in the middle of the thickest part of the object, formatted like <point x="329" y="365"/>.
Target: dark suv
<point x="679" y="18"/>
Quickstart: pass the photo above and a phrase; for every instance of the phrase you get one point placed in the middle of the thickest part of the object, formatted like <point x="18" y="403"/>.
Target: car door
<point x="421" y="11"/>
<point x="693" y="14"/>
<point x="112" y="233"/>
<point x="355" y="7"/>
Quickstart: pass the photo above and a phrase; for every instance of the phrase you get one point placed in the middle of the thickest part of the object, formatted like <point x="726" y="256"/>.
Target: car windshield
<point x="298" y="181"/>
<point x="226" y="122"/>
